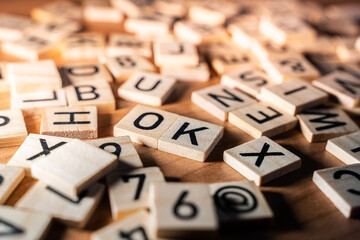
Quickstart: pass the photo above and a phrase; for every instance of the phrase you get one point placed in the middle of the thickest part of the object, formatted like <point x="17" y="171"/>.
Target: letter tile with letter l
<point x="147" y="88"/>
<point x="341" y="186"/>
<point x="346" y="148"/>
<point x="191" y="138"/>
<point x="72" y="122"/>
<point x="12" y="128"/>
<point x="10" y="178"/>
<point x="145" y="125"/>
<point x="261" y="160"/>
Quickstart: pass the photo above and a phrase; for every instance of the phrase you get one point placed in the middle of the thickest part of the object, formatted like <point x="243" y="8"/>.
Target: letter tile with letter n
<point x="147" y="88"/>
<point x="73" y="167"/>
<point x="260" y="119"/>
<point x="91" y="92"/>
<point x="191" y="138"/>
<point x="321" y="124"/>
<point x="238" y="202"/>
<point x="76" y="72"/>
<point x="129" y="190"/>
<point x="219" y="100"/>
<point x="12" y="128"/>
<point x="346" y="148"/>
<point x="261" y="160"/>
<point x="341" y="186"/>
<point x="123" y="148"/>
<point x="145" y="125"/>
<point x="135" y="226"/>
<point x="72" y="212"/>
<point x="293" y="96"/>
<point x="72" y="122"/>
<point x="182" y="210"/>
<point x="10" y="178"/>
<point x="22" y="224"/>
<point x="123" y="44"/>
<point x="33" y="148"/>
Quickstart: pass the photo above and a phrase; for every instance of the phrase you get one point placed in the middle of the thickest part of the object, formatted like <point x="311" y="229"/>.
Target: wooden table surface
<point x="301" y="210"/>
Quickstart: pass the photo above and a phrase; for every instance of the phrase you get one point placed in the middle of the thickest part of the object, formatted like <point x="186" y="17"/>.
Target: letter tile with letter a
<point x="341" y="186"/>
<point x="76" y="72"/>
<point x="72" y="122"/>
<point x="10" y="178"/>
<point x="12" y="128"/>
<point x="260" y="119"/>
<point x="21" y="224"/>
<point x="191" y="138"/>
<point x="238" y="202"/>
<point x="73" y="167"/>
<point x="321" y="124"/>
<point x="147" y="88"/>
<point x="145" y="125"/>
<point x="182" y="210"/>
<point x="129" y="190"/>
<point x="261" y="160"/>
<point x="345" y="148"/>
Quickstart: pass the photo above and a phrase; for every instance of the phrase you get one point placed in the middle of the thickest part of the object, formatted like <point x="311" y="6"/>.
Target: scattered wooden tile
<point x="171" y="8"/>
<point x="346" y="50"/>
<point x="182" y="210"/>
<point x="12" y="128"/>
<point x="76" y="72"/>
<point x="321" y="124"/>
<point x="321" y="45"/>
<point x="191" y="138"/>
<point x="238" y="202"/>
<point x="260" y="119"/>
<point x="73" y="167"/>
<point x="101" y="11"/>
<point x="10" y="178"/>
<point x="261" y="160"/>
<point x="72" y="122"/>
<point x="244" y="30"/>
<point x="147" y="88"/>
<point x="219" y="100"/>
<point x="73" y="212"/>
<point x="343" y="86"/>
<point x="128" y="228"/>
<point x="293" y="96"/>
<point x="264" y="49"/>
<point x="122" y="44"/>
<point x="129" y="190"/>
<point x="340" y="185"/>
<point x="55" y="10"/>
<point x="21" y="224"/>
<point x="149" y="24"/>
<point x="145" y="125"/>
<point x="345" y="148"/>
<point x="123" y="148"/>
<point x="83" y="46"/>
<point x="4" y="83"/>
<point x="12" y="26"/>
<point x="227" y="61"/>
<point x="130" y="7"/>
<point x="123" y="66"/>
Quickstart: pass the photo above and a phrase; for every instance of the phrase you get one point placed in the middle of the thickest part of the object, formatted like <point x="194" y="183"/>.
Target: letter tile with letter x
<point x="12" y="128"/>
<point x="261" y="160"/>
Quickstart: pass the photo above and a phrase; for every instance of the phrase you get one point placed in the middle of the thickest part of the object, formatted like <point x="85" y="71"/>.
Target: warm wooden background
<point x="301" y="210"/>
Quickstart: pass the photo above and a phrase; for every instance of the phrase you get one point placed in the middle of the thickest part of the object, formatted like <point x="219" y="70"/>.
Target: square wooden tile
<point x="101" y="11"/>
<point x="145" y="125"/>
<point x="129" y="190"/>
<point x="123" y="44"/>
<point x="265" y="49"/>
<point x="261" y="160"/>
<point x="346" y="50"/>
<point x="12" y="128"/>
<point x="244" y="30"/>
<point x="321" y="124"/>
<point x="147" y="88"/>
<point x="72" y="122"/>
<point x="12" y="26"/>
<point x="52" y="11"/>
<point x="228" y="61"/>
<point x="83" y="46"/>
<point x="191" y="138"/>
<point x="77" y="72"/>
<point x="4" y="82"/>
<point x="73" y="167"/>
<point x="10" y="178"/>
<point x="346" y="148"/>
<point x="340" y="185"/>
<point x="212" y="13"/>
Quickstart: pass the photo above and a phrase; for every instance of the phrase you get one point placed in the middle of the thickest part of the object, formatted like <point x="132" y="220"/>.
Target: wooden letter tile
<point x="12" y="26"/>
<point x="76" y="72"/>
<point x="83" y="46"/>
<point x="101" y="11"/>
<point x="12" y="128"/>
<point x="10" y="178"/>
<point x="122" y="44"/>
<point x="129" y="190"/>
<point x="261" y="160"/>
<point x="191" y="138"/>
<point x="341" y="186"/>
<point x="145" y="125"/>
<point x="345" y="148"/>
<point x="4" y="82"/>
<point x="228" y="61"/>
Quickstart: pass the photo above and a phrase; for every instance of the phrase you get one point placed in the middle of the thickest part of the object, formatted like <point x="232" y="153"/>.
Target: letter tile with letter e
<point x="123" y="44"/>
<point x="321" y="124"/>
<point x="182" y="210"/>
<point x="341" y="186"/>
<point x="147" y="88"/>
<point x="145" y="125"/>
<point x="346" y="148"/>
<point x="129" y="190"/>
<point x="76" y="72"/>
<point x="191" y="138"/>
<point x="73" y="167"/>
<point x="72" y="122"/>
<point x="12" y="128"/>
<point x="261" y="160"/>
<point x="10" y="178"/>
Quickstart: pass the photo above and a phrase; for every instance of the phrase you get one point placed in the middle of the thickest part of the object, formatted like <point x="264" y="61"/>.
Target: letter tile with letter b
<point x="12" y="128"/>
<point x="261" y="160"/>
<point x="346" y="148"/>
<point x="182" y="210"/>
<point x="191" y="138"/>
<point x="10" y="178"/>
<point x="129" y="190"/>
<point x="341" y="186"/>
<point x="147" y="88"/>
<point x="145" y="125"/>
